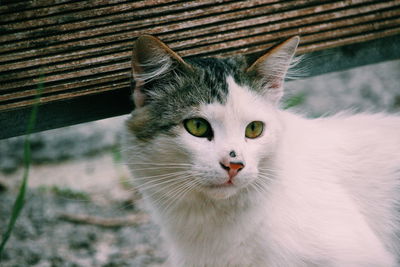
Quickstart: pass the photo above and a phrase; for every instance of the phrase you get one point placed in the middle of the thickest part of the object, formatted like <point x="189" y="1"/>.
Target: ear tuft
<point x="151" y="60"/>
<point x="271" y="68"/>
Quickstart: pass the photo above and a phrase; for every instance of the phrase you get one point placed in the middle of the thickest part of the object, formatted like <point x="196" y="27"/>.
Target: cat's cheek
<point x="199" y="149"/>
<point x="246" y="178"/>
<point x="265" y="145"/>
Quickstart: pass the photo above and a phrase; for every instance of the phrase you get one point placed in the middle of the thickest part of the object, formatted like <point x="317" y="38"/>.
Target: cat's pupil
<point x="198" y="124"/>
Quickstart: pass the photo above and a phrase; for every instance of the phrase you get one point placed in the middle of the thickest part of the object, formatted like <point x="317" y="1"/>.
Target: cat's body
<point x="308" y="192"/>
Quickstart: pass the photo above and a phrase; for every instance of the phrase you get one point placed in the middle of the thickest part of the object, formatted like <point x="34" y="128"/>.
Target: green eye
<point x="254" y="129"/>
<point x="198" y="127"/>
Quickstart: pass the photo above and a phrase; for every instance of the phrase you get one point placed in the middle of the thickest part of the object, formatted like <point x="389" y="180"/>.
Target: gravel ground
<point x="42" y="237"/>
<point x="73" y="169"/>
<point x="71" y="218"/>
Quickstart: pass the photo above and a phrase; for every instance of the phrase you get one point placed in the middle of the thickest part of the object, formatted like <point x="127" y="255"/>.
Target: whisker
<point x="166" y="196"/>
<point x="172" y="198"/>
<point x="179" y="181"/>
<point x="262" y="185"/>
<point x="181" y="189"/>
<point x="266" y="176"/>
<point x="269" y="170"/>
<point x="160" y="168"/>
<point x="159" y="164"/>
<point x="181" y="193"/>
<point x="150" y="194"/>
<point x="157" y="175"/>
<point x="151" y="184"/>
<point x="259" y="189"/>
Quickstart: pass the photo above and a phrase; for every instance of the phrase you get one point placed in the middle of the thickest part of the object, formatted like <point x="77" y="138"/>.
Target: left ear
<point x="152" y="60"/>
<point x="271" y="68"/>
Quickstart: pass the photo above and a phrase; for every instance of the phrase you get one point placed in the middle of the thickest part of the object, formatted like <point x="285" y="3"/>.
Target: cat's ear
<point x="151" y="60"/>
<point x="271" y="68"/>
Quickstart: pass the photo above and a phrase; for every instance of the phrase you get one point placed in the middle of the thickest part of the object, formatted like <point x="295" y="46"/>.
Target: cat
<point x="233" y="180"/>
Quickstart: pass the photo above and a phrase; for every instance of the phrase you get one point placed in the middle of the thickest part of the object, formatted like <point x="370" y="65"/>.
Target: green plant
<point x="69" y="193"/>
<point x="116" y="153"/>
<point x="20" y="200"/>
<point x="294" y="100"/>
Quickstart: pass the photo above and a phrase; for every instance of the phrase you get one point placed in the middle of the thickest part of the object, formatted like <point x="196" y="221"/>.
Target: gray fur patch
<point x="179" y="92"/>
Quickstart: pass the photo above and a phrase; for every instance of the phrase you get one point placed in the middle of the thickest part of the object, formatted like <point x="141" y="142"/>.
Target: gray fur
<point x="172" y="96"/>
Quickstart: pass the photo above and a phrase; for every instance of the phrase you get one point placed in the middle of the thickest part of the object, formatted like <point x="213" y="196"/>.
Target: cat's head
<point x="204" y="125"/>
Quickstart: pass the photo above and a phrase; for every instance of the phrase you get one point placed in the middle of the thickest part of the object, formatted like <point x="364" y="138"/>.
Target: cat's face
<point x="241" y="132"/>
<point x="203" y="127"/>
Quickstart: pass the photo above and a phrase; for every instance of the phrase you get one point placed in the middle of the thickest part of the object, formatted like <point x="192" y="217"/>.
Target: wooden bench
<point x="80" y="50"/>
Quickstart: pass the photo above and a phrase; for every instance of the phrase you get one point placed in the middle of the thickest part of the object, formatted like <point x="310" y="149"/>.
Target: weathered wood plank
<point x="114" y="103"/>
<point x="111" y="78"/>
<point x="76" y="10"/>
<point x="264" y="25"/>
<point x="128" y="37"/>
<point x="77" y="75"/>
<point x="81" y="49"/>
<point x="10" y="6"/>
<point x="88" y="59"/>
<point x="76" y="110"/>
<point x="180" y="44"/>
<point x="313" y="42"/>
<point x="65" y="95"/>
<point x="148" y="19"/>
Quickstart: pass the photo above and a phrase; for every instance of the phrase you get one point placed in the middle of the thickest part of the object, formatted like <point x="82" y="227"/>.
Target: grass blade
<point x="20" y="200"/>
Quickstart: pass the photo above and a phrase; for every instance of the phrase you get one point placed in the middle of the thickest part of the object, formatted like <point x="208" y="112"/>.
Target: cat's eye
<point x="198" y="127"/>
<point x="254" y="129"/>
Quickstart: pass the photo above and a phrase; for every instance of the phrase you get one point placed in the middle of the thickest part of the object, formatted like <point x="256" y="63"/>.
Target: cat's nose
<point x="233" y="167"/>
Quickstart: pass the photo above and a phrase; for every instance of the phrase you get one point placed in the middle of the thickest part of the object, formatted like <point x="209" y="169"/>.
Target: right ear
<point x="151" y="60"/>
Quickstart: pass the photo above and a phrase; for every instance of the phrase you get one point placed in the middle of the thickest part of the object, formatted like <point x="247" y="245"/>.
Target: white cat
<point x="233" y="180"/>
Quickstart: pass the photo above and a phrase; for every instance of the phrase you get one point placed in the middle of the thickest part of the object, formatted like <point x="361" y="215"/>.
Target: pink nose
<point x="232" y="168"/>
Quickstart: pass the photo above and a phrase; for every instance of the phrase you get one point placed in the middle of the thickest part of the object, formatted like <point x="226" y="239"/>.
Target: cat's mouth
<point x="224" y="185"/>
<point x="220" y="190"/>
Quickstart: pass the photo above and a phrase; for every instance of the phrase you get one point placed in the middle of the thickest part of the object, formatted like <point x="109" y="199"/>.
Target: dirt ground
<point x="79" y="222"/>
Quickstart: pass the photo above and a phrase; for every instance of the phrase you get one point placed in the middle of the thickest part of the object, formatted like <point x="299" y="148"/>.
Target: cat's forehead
<point x="241" y="103"/>
<point x="209" y="82"/>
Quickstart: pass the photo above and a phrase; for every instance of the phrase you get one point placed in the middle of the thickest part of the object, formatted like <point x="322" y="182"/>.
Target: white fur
<point x="161" y="64"/>
<point x="322" y="192"/>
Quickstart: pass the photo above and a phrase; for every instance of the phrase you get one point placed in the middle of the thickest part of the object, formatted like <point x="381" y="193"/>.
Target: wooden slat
<point x="106" y="38"/>
<point x="159" y="22"/>
<point x="329" y="20"/>
<point x="68" y="85"/>
<point x="74" y="110"/>
<point x="125" y="36"/>
<point x="83" y="47"/>
<point x="384" y="28"/>
<point x="47" y="8"/>
<point x="11" y="6"/>
<point x="67" y="95"/>
<point x="117" y="102"/>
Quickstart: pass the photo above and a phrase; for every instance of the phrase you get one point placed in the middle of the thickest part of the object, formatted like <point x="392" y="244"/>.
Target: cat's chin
<point x="220" y="192"/>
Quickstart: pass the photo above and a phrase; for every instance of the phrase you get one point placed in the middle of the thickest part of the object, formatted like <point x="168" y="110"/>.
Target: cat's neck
<point x="202" y="227"/>
<point x="212" y="210"/>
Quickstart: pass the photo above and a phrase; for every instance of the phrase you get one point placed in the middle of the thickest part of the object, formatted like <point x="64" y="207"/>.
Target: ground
<point x="80" y="207"/>
<point x="71" y="218"/>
